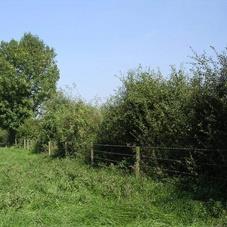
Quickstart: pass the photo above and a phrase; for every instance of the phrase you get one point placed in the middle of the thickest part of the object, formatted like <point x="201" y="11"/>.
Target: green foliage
<point x="215" y="208"/>
<point x="70" y="123"/>
<point x="28" y="75"/>
<point x="209" y="101"/>
<point x="179" y="111"/>
<point x="39" y="191"/>
<point x="30" y="129"/>
<point x="148" y="110"/>
<point x="3" y="137"/>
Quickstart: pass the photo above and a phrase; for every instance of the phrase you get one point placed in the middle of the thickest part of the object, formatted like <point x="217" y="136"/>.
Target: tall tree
<point x="28" y="76"/>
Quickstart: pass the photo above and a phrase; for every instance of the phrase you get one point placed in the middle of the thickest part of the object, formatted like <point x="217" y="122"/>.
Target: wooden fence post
<point x="49" y="148"/>
<point x="92" y="154"/>
<point x="137" y="163"/>
<point x="32" y="144"/>
<point x="24" y="144"/>
<point x="28" y="145"/>
<point x="66" y="148"/>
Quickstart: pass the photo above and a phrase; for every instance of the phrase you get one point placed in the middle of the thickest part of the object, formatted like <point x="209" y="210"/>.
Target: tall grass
<point x="36" y="190"/>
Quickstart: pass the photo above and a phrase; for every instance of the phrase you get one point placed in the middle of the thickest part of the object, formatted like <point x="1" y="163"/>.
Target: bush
<point x="3" y="137"/>
<point x="148" y="110"/>
<point x="69" y="123"/>
<point x="30" y="129"/>
<point x="181" y="111"/>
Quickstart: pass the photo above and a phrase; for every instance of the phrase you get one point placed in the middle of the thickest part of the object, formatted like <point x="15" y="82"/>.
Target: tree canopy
<point x="28" y="76"/>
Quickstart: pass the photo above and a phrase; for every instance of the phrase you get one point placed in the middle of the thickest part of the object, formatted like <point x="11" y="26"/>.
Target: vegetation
<point x="28" y="76"/>
<point x="182" y="111"/>
<point x="69" y="123"/>
<point x="185" y="110"/>
<point x="148" y="110"/>
<point x="37" y="190"/>
<point x="3" y="137"/>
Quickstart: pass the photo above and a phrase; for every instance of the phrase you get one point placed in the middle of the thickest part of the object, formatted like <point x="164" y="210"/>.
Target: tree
<point x="28" y="76"/>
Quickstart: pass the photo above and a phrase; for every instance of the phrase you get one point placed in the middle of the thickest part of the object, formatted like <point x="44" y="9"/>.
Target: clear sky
<point x="97" y="39"/>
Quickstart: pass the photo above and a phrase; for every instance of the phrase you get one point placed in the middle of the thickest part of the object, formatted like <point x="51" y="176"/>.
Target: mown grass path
<point x="36" y="190"/>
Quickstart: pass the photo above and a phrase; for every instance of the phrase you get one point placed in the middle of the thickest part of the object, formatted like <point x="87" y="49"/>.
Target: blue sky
<point x="97" y="39"/>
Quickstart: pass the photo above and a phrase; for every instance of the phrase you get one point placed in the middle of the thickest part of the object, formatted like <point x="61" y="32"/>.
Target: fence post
<point x="92" y="154"/>
<point x="49" y="148"/>
<point x="137" y="163"/>
<point x="24" y="144"/>
<point x="32" y="144"/>
<point x="16" y="142"/>
<point x="66" y="148"/>
<point x="28" y="145"/>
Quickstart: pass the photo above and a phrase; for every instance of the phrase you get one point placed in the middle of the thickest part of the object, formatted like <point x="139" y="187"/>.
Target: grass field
<point x="36" y="190"/>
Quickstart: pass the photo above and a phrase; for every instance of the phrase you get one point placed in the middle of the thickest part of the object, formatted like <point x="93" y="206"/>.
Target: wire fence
<point x="151" y="160"/>
<point x="163" y="161"/>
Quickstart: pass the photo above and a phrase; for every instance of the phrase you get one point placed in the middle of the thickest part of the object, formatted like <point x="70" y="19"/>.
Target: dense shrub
<point x="148" y="110"/>
<point x="3" y="137"/>
<point x="30" y="129"/>
<point x="152" y="110"/>
<point x="70" y="124"/>
<point x="209" y="101"/>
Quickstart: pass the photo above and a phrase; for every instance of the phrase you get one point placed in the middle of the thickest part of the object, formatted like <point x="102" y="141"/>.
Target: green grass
<point x="36" y="190"/>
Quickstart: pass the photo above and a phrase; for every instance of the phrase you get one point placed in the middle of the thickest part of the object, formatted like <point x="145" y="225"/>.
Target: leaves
<point x="71" y="121"/>
<point x="28" y="76"/>
<point x="147" y="109"/>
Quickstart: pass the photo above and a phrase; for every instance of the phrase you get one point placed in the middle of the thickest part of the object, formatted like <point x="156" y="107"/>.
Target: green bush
<point x="70" y="124"/>
<point x="215" y="208"/>
<point x="30" y="129"/>
<point x="176" y="111"/>
<point x="3" y="137"/>
<point x="148" y="110"/>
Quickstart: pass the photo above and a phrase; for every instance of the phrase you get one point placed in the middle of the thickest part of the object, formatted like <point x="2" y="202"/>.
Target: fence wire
<point x="171" y="161"/>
